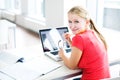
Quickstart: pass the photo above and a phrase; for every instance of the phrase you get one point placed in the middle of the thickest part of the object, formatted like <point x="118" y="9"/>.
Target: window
<point x="36" y="9"/>
<point x="112" y="14"/>
<point x="9" y="4"/>
<point x="17" y="5"/>
<point x="13" y="5"/>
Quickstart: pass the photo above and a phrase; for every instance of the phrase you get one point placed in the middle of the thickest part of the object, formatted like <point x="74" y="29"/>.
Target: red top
<point x="94" y="59"/>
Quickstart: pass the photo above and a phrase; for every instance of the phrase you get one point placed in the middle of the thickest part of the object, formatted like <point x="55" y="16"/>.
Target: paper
<point x="5" y="77"/>
<point x="19" y="72"/>
<point x="8" y="58"/>
<point x="30" y="70"/>
<point x="42" y="65"/>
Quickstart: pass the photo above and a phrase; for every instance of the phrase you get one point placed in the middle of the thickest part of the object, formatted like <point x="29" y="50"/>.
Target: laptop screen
<point x="51" y="37"/>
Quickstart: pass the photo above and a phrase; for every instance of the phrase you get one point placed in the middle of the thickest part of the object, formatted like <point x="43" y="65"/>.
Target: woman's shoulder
<point x="85" y="34"/>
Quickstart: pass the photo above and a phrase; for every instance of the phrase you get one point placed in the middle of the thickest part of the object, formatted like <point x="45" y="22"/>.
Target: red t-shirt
<point x="94" y="59"/>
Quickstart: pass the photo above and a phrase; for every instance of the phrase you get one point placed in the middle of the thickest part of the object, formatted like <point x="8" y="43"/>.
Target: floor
<point x="26" y="38"/>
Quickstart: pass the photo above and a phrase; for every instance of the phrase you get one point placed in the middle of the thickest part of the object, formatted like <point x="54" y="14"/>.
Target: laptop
<point x="50" y="38"/>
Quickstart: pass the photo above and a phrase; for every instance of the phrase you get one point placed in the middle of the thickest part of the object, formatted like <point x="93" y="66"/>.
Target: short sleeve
<point x="77" y="41"/>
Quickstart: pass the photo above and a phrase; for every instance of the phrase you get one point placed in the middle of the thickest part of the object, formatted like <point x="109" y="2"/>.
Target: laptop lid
<point x="50" y="38"/>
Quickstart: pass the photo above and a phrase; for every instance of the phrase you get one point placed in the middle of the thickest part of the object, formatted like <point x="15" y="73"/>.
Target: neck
<point x="82" y="31"/>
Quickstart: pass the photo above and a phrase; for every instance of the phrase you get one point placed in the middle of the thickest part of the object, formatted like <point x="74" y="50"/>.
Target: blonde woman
<point x="89" y="49"/>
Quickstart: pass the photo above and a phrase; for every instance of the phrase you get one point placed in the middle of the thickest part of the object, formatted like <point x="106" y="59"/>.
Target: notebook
<point x="50" y="38"/>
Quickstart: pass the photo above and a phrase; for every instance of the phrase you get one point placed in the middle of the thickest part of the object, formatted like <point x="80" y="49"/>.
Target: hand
<point x="67" y="38"/>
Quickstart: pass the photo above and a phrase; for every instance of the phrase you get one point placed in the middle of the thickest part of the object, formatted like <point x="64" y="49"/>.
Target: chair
<point x="3" y="36"/>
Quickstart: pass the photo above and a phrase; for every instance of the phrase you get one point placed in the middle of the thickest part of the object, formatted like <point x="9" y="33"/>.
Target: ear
<point x="87" y="22"/>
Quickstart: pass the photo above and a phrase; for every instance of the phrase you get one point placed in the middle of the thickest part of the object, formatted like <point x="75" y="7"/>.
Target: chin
<point x="74" y="32"/>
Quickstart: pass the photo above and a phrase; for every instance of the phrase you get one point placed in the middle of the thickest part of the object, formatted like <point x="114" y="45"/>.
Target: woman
<point x="88" y="46"/>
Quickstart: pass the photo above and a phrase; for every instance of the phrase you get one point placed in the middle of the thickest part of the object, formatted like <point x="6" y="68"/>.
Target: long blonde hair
<point x="80" y="11"/>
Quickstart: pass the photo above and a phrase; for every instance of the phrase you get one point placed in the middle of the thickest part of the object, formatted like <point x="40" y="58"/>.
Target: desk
<point x="36" y="51"/>
<point x="10" y="25"/>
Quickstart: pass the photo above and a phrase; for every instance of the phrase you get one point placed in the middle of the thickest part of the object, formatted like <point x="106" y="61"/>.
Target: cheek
<point x="80" y="26"/>
<point x="70" y="27"/>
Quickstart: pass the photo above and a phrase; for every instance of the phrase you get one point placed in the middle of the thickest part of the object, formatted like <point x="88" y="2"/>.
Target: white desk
<point x="35" y="51"/>
<point x="10" y="25"/>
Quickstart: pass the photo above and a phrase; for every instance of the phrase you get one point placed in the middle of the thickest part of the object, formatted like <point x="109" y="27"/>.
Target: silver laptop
<point x="50" y="39"/>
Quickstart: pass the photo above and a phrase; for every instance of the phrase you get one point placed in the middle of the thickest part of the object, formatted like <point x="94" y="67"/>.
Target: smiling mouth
<point x="74" y="30"/>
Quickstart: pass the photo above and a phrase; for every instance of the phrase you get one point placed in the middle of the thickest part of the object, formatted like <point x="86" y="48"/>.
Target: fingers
<point x="67" y="36"/>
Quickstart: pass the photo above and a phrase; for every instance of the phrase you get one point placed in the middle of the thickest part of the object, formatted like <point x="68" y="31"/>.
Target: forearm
<point x="67" y="62"/>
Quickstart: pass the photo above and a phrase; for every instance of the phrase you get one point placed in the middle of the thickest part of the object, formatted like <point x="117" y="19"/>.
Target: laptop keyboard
<point x="56" y="52"/>
<point x="68" y="50"/>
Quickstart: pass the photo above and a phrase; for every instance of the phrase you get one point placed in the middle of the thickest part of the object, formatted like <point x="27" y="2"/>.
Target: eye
<point x="76" y="21"/>
<point x="70" y="21"/>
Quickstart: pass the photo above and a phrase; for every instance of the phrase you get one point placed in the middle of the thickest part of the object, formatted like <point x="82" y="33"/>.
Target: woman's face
<point x="76" y="23"/>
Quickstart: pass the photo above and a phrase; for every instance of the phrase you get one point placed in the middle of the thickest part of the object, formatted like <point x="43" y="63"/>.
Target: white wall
<point x="68" y="4"/>
<point x="24" y="7"/>
<point x="96" y="10"/>
<point x="0" y="14"/>
<point x="100" y="12"/>
<point x="56" y="13"/>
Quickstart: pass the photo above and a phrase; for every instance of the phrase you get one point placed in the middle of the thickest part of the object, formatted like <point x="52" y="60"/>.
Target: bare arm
<point x="71" y="62"/>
